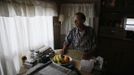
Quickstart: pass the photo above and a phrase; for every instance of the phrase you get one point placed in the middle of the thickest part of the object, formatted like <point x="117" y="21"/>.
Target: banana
<point x="59" y="59"/>
<point x="54" y="59"/>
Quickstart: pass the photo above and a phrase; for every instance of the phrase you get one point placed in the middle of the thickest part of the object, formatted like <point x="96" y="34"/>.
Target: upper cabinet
<point x="113" y="5"/>
<point x="129" y="6"/>
<point x="112" y="18"/>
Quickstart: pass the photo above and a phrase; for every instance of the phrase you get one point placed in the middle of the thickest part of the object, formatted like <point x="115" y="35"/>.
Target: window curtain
<point x="68" y="11"/>
<point x="24" y="25"/>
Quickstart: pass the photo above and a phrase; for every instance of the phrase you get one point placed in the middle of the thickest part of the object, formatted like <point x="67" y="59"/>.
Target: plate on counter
<point x="61" y="59"/>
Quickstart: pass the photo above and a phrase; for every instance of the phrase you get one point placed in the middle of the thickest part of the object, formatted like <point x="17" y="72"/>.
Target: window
<point x="129" y="24"/>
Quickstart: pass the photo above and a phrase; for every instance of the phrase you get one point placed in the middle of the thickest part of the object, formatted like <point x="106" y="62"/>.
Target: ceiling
<point x="58" y="1"/>
<point x="74" y="1"/>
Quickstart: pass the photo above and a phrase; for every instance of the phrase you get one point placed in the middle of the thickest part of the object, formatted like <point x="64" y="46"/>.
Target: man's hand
<point x="64" y="49"/>
<point x="62" y="52"/>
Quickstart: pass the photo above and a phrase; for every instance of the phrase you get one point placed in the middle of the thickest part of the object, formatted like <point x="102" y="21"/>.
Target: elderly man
<point x="80" y="38"/>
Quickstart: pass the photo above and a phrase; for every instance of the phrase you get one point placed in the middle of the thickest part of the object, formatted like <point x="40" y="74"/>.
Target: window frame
<point x="130" y="25"/>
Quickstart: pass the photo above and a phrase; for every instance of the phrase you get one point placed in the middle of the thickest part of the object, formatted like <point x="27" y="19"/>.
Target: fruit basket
<point x="61" y="59"/>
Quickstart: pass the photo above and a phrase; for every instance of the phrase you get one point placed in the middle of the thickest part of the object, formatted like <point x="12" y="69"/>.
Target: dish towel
<point x="87" y="65"/>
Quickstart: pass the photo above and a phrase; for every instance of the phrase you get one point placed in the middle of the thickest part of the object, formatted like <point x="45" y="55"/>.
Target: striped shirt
<point x="81" y="40"/>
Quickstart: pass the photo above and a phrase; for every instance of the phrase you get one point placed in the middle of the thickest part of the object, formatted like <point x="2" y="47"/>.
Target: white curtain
<point x="68" y="11"/>
<point x="23" y="26"/>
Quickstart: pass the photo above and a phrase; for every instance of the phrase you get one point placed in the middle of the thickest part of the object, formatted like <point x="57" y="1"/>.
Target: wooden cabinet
<point x="112" y="43"/>
<point x="112" y="18"/>
<point x="118" y="54"/>
<point x="129" y="6"/>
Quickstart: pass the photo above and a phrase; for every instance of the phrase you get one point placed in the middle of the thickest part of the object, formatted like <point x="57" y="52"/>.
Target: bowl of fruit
<point x="61" y="59"/>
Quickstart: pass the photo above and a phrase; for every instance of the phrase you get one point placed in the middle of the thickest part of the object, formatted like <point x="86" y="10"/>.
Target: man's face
<point x="78" y="21"/>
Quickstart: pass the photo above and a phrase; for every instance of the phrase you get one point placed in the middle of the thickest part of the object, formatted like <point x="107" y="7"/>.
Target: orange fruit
<point x="66" y="59"/>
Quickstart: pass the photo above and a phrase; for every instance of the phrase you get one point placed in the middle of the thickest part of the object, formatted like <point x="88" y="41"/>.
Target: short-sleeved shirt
<point x="81" y="40"/>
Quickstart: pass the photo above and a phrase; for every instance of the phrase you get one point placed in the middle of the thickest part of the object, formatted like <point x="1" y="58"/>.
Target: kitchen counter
<point x="76" y="66"/>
